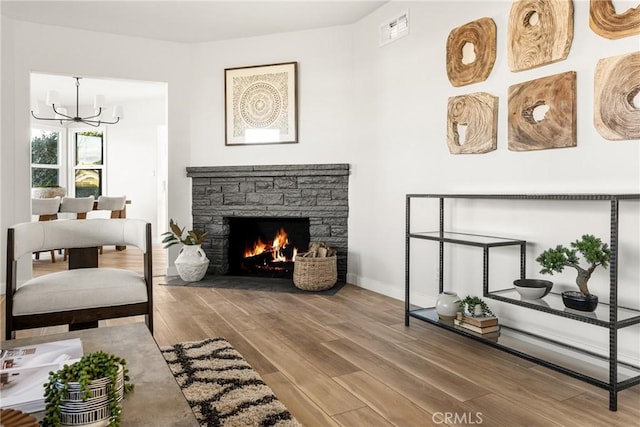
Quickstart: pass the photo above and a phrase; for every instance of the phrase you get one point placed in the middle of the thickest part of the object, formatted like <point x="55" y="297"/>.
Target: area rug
<point x="265" y="284"/>
<point x="222" y="388"/>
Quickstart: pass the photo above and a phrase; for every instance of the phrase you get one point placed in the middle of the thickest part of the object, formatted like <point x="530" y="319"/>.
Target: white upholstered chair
<point x="115" y="204"/>
<point x="79" y="207"/>
<point x="84" y="294"/>
<point x="46" y="210"/>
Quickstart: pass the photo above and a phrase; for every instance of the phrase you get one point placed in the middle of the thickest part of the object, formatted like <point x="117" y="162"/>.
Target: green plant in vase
<point x="175" y="236"/>
<point x="474" y="306"/>
<point x="91" y="367"/>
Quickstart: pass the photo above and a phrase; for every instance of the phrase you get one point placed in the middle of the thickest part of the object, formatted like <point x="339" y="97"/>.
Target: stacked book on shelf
<point x="487" y="326"/>
<point x="25" y="370"/>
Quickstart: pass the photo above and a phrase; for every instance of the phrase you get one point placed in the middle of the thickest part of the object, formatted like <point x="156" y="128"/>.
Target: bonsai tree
<point x="174" y="236"/>
<point x="92" y="366"/>
<point x="594" y="251"/>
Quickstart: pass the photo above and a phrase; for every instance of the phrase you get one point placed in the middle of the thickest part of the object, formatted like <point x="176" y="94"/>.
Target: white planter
<point x="74" y="411"/>
<point x="447" y="305"/>
<point x="191" y="263"/>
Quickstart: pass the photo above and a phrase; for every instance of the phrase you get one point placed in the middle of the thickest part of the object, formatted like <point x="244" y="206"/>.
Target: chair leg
<point x="53" y="256"/>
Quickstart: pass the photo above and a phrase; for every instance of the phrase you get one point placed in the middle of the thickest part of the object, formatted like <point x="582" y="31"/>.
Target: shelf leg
<point x="613" y="308"/>
<point x="523" y="260"/>
<point x="485" y="272"/>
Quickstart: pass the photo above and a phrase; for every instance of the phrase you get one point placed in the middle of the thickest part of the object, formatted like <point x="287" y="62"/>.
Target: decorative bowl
<point x="532" y="288"/>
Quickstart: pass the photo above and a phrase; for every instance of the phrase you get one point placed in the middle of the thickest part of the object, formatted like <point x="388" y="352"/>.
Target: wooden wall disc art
<point x="477" y="113"/>
<point x="542" y="113"/>
<point x="605" y="22"/>
<point x="540" y="32"/>
<point x="616" y="114"/>
<point x="479" y="37"/>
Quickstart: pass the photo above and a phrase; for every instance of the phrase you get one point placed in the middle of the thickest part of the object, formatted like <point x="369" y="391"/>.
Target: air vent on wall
<point x="394" y="28"/>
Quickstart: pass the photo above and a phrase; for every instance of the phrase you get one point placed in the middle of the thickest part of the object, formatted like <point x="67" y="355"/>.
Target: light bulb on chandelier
<point x="53" y="100"/>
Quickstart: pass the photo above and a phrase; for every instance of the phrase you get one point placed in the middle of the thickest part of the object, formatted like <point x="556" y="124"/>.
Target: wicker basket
<point x="315" y="274"/>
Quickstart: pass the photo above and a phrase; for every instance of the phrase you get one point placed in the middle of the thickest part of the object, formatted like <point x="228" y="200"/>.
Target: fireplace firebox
<point x="266" y="247"/>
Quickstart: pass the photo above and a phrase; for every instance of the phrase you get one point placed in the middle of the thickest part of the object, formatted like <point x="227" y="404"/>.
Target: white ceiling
<point x="191" y="21"/>
<point x="175" y="21"/>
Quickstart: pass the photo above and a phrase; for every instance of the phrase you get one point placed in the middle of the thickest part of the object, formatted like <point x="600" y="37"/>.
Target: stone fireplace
<point x="315" y="193"/>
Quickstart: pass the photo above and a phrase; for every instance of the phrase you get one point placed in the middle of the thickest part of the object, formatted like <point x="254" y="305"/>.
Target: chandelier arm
<point x="91" y="123"/>
<point x="57" y="112"/>
<point x="51" y="118"/>
<point x="109" y="123"/>
<point x="97" y="115"/>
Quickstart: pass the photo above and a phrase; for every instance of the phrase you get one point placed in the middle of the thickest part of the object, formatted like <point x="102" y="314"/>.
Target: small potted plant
<point x="474" y="306"/>
<point x="594" y="251"/>
<point x="192" y="262"/>
<point x="98" y="381"/>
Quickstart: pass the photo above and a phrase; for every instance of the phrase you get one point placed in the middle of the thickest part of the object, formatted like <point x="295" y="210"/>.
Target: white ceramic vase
<point x="191" y="263"/>
<point x="447" y="305"/>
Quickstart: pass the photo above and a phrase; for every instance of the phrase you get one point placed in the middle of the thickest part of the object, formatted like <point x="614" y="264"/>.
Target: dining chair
<point x="78" y="206"/>
<point x="115" y="204"/>
<point x="47" y="210"/>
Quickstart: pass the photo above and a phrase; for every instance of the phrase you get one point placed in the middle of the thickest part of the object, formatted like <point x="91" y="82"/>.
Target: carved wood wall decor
<point x="616" y="115"/>
<point x="605" y="22"/>
<point x="540" y="32"/>
<point x="557" y="128"/>
<point x="480" y="35"/>
<point x="478" y="112"/>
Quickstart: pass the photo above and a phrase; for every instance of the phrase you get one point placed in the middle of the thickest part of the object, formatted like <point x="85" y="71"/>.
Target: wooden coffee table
<point x="156" y="399"/>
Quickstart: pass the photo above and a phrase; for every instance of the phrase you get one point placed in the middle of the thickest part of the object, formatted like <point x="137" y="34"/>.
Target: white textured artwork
<point x="261" y="104"/>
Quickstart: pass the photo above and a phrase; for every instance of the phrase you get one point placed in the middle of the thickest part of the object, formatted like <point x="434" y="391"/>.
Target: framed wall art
<point x="261" y="104"/>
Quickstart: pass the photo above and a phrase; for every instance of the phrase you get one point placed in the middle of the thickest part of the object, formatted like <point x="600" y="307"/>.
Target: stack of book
<point x="25" y="370"/>
<point x="487" y="326"/>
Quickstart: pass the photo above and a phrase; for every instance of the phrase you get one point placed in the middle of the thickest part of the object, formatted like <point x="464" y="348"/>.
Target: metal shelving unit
<point x="605" y="372"/>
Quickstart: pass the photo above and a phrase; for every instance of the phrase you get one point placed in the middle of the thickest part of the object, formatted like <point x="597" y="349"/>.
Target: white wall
<point x="325" y="98"/>
<point x="132" y="152"/>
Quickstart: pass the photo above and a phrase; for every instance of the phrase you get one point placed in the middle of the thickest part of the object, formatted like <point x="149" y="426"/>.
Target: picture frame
<point x="261" y="104"/>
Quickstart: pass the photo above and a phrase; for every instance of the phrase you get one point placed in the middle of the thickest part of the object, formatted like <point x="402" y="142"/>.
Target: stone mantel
<point x="317" y="191"/>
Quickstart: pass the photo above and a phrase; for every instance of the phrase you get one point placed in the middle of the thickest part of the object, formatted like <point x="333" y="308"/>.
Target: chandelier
<point x="53" y="100"/>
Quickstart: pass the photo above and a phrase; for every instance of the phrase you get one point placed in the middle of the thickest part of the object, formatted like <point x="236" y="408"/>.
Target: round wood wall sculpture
<point x="480" y="35"/>
<point x="479" y="113"/>
<point x="616" y="102"/>
<point x="605" y="22"/>
<point x="557" y="128"/>
<point x="540" y="32"/>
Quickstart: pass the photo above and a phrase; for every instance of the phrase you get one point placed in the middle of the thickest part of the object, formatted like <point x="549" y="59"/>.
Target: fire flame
<point x="276" y="247"/>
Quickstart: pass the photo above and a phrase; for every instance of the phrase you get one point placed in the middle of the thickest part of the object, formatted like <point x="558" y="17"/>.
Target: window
<point x="88" y="164"/>
<point x="45" y="158"/>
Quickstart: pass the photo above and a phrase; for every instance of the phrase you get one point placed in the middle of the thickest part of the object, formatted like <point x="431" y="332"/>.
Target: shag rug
<point x="222" y="388"/>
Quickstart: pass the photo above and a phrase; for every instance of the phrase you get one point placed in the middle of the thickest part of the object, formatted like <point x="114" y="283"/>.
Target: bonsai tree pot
<point x="578" y="301"/>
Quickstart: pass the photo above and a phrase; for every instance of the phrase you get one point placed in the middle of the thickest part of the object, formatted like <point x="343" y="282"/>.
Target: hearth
<point x="266" y="247"/>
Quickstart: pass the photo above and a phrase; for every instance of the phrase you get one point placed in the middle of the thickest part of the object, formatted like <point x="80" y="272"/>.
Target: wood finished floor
<point x="348" y="359"/>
